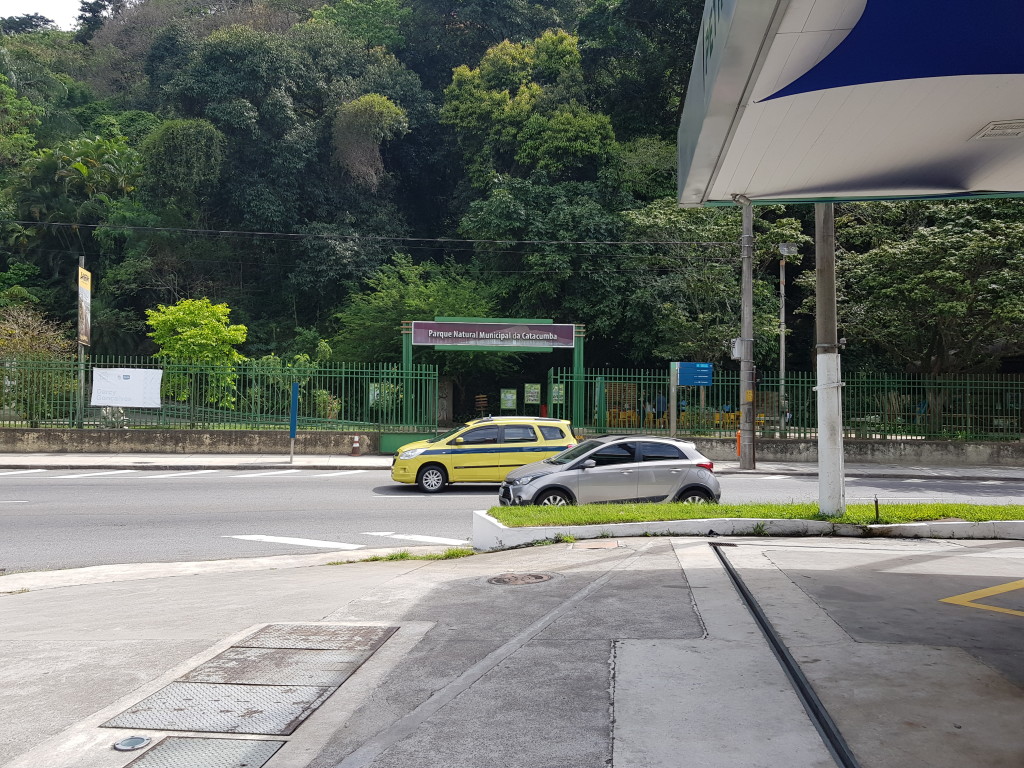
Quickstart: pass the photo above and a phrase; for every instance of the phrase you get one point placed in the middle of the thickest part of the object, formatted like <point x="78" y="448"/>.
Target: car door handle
<point x="675" y="471"/>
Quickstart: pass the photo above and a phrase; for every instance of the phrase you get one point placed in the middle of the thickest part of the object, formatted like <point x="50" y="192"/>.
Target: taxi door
<point x="520" y="445"/>
<point x="476" y="455"/>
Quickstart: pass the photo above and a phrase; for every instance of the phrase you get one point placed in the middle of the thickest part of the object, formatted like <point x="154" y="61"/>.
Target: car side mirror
<point x="588" y="464"/>
<point x="458" y="441"/>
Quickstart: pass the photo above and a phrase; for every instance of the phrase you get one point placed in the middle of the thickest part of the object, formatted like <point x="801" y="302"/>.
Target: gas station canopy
<point x="818" y="100"/>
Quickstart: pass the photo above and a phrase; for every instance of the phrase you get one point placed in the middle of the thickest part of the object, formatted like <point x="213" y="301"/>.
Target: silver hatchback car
<point x="615" y="468"/>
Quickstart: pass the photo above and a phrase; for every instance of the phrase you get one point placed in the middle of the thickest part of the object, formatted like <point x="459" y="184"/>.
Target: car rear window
<point x="520" y="433"/>
<point x="661" y="452"/>
<point x="552" y="433"/>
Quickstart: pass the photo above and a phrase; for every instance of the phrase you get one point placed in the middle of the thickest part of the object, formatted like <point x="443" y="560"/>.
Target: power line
<point x="381" y="238"/>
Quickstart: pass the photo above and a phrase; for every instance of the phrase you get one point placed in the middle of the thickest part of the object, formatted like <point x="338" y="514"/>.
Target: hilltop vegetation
<point x="302" y="162"/>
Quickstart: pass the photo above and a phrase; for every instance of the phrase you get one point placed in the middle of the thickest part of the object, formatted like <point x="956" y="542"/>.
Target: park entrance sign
<point x="822" y="101"/>
<point x="522" y="336"/>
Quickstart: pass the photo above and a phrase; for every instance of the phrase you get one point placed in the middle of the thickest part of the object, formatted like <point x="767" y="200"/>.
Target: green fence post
<point x="579" y="332"/>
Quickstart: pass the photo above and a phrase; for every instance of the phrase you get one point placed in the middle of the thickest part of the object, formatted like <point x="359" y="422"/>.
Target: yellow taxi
<point x="481" y="451"/>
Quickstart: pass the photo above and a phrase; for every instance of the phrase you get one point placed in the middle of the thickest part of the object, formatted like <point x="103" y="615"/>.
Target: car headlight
<point x="525" y="479"/>
<point x="412" y="453"/>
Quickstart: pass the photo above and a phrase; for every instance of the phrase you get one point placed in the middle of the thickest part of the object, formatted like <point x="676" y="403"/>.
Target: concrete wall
<point x="911" y="452"/>
<point x="180" y="441"/>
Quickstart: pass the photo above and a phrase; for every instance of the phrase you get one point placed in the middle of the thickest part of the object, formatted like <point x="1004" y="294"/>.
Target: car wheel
<point x="432" y="479"/>
<point x="695" y="496"/>
<point x="552" y="499"/>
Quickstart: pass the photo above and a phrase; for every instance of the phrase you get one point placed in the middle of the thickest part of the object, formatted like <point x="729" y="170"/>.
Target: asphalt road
<point x="53" y="519"/>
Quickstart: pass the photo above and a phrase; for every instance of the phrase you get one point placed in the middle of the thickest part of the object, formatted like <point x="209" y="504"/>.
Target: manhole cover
<point x="179" y="752"/>
<point x="516" y="579"/>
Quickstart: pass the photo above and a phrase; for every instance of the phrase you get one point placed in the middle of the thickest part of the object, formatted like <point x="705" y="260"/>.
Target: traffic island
<point x="491" y="534"/>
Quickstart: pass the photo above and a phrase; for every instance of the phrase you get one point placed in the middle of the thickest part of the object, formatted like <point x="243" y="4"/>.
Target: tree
<point x="29" y="343"/>
<point x="182" y="161"/>
<point x="197" y="333"/>
<point x="375" y="21"/>
<point x="518" y="112"/>
<point x="27" y="22"/>
<point x="947" y="299"/>
<point x="360" y="127"/>
<point x="17" y="117"/>
<point x="25" y="333"/>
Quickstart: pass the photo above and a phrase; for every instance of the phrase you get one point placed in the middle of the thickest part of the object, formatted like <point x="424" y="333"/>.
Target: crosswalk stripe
<point x="182" y="474"/>
<point x="96" y="474"/>
<point x="21" y="471"/>
<point x="268" y="474"/>
<point x="298" y="542"/>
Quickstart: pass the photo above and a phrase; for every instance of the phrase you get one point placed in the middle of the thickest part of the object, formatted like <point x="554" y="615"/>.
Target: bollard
<point x="737" y="442"/>
<point x="355" y="445"/>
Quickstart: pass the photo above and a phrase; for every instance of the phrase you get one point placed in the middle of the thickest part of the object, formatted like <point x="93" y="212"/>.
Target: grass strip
<point x="403" y="554"/>
<point x="858" y="514"/>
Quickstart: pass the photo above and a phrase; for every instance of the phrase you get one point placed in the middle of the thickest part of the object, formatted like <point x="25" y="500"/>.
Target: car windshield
<point x="571" y="454"/>
<point x="447" y="434"/>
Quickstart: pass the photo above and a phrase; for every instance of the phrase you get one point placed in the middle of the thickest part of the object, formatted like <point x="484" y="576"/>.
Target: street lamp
<point x="786" y="249"/>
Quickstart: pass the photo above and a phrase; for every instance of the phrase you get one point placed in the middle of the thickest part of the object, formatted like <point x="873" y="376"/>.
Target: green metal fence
<point x="880" y="407"/>
<point x="250" y="395"/>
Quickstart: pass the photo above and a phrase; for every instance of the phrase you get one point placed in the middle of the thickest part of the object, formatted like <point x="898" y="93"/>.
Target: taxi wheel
<point x="432" y="479"/>
<point x="552" y="499"/>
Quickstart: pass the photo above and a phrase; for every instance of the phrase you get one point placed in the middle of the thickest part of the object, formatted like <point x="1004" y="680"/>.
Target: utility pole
<point x="747" y="335"/>
<point x="84" y="334"/>
<point x="831" y="472"/>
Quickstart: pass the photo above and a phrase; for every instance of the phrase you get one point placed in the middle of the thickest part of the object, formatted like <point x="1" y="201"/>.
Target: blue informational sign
<point x="294" y="421"/>
<point x="695" y="374"/>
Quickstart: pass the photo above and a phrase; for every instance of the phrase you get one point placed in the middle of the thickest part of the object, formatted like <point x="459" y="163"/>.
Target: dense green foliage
<point x="330" y="170"/>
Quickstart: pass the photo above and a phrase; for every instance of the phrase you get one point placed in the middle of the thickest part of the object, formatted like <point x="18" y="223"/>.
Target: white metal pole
<point x="673" y="395"/>
<point x="831" y="473"/>
<point x="782" y="345"/>
<point x="747" y="338"/>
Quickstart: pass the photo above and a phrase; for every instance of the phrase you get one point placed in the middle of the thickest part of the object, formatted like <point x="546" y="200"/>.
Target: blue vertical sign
<point x="293" y="426"/>
<point x="695" y="374"/>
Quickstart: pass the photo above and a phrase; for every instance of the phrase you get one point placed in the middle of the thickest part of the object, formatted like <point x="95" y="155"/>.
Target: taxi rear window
<point x="552" y="433"/>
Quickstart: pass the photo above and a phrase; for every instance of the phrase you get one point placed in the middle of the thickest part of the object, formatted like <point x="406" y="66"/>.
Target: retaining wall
<point x="909" y="453"/>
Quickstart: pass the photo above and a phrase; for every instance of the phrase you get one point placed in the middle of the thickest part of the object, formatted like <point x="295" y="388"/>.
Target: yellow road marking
<point x="968" y="598"/>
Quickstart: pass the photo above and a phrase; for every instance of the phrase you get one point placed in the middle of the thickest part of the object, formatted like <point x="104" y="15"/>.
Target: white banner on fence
<point x="126" y="387"/>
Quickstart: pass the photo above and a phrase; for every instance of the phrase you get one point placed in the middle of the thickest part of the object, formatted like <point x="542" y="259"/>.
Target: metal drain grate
<point x="180" y="752"/>
<point x="274" y="710"/>
<point x="318" y="637"/>
<point x="275" y="666"/>
<point x="517" y="579"/>
<point x="267" y="684"/>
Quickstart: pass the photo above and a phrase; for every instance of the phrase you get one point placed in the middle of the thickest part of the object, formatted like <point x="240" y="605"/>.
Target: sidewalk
<point x="635" y="653"/>
<point x="193" y="461"/>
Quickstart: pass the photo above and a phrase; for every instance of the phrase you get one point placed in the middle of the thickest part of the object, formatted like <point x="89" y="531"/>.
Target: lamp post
<point x="785" y="249"/>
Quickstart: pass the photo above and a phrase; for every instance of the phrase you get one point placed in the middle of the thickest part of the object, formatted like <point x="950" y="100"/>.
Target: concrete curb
<point x="490" y="535"/>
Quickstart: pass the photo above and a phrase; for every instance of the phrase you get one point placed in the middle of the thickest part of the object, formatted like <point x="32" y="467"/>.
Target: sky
<point x="63" y="12"/>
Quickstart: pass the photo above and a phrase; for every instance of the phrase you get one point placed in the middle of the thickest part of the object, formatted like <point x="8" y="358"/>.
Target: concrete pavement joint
<point x="407" y="725"/>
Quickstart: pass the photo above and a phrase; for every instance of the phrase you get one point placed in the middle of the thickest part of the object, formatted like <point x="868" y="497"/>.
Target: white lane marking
<point x="21" y="471"/>
<point x="773" y="477"/>
<point x="267" y="474"/>
<point x="96" y="474"/>
<point x="913" y="480"/>
<point x="12" y="501"/>
<point x="380" y="533"/>
<point x="337" y="474"/>
<point x="991" y="482"/>
<point x="298" y="542"/>
<point x="182" y="474"/>
<point x="424" y="539"/>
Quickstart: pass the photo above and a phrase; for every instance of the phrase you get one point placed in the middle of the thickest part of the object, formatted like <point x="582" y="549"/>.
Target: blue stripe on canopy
<point x="912" y="39"/>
